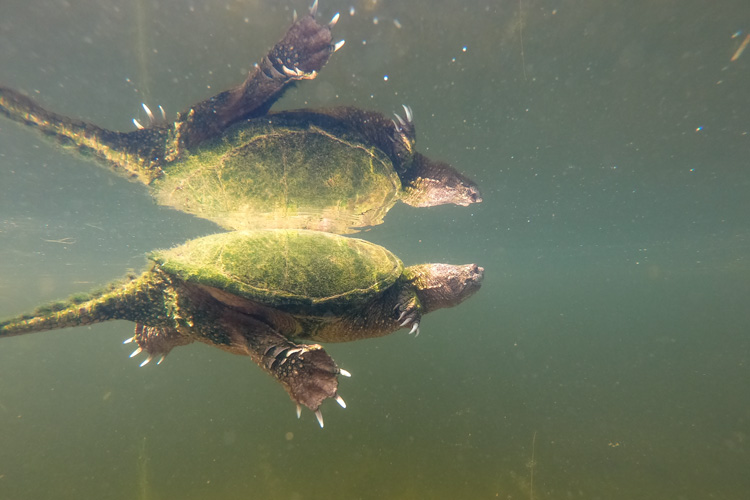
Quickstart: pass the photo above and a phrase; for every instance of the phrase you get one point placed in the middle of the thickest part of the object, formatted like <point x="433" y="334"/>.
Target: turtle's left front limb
<point x="309" y="375"/>
<point x="408" y="311"/>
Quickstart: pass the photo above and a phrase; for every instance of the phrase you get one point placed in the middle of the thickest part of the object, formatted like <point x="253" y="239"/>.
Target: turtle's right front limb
<point x="307" y="373"/>
<point x="302" y="52"/>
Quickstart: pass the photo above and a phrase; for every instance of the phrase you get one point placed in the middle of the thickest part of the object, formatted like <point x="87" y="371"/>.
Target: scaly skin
<point x="336" y="170"/>
<point x="142" y="154"/>
<point x="170" y="312"/>
<point x="177" y="302"/>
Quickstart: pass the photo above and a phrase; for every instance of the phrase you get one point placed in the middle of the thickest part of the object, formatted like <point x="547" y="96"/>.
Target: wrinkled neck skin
<point x="428" y="183"/>
<point x="444" y="285"/>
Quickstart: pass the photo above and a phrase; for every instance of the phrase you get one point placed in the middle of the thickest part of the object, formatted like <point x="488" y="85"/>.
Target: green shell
<point x="274" y="172"/>
<point x="290" y="269"/>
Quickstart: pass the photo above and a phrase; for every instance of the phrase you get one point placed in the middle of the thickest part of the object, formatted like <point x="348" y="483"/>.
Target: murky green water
<point x="606" y="357"/>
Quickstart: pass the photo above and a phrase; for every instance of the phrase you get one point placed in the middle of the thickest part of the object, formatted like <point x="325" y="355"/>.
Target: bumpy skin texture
<point x="260" y="293"/>
<point x="141" y="154"/>
<point x="228" y="160"/>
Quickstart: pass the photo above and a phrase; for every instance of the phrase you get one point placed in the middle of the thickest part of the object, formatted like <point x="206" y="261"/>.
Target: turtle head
<point x="444" y="285"/>
<point x="428" y="183"/>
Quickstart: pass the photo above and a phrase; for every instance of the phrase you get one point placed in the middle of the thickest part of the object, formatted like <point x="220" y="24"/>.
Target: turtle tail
<point x="131" y="300"/>
<point x="137" y="155"/>
<point x="63" y="314"/>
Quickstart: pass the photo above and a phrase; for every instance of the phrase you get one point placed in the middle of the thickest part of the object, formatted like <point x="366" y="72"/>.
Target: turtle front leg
<point x="307" y="373"/>
<point x="408" y="311"/>
<point x="302" y="52"/>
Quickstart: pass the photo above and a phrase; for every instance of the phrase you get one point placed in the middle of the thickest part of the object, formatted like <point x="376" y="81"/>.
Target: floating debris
<point x="741" y="48"/>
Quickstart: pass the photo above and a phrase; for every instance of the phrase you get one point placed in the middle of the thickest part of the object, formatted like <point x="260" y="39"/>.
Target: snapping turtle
<point x="259" y="292"/>
<point x="228" y="160"/>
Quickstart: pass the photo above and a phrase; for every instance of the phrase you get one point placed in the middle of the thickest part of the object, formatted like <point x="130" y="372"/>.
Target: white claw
<point x="161" y="358"/>
<point x="137" y="124"/>
<point x="294" y="16"/>
<point x="319" y="415"/>
<point x="313" y="11"/>
<point x="148" y="112"/>
<point x="407" y="110"/>
<point x="414" y="328"/>
<point x="338" y="45"/>
<point x="333" y="20"/>
<point x="340" y="401"/>
<point x="299" y="411"/>
<point x="293" y="351"/>
<point x="406" y="322"/>
<point x="127" y="341"/>
<point x="344" y="372"/>
<point x="147" y="360"/>
<point x="163" y="114"/>
<point x="136" y="352"/>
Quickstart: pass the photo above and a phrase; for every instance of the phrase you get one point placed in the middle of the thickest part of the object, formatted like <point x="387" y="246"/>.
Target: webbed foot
<point x="404" y="135"/>
<point x="409" y="312"/>
<point x="155" y="341"/>
<point x="307" y="373"/>
<point x="302" y="52"/>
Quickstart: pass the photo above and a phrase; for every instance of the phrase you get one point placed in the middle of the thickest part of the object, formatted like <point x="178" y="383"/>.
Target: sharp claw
<point x="333" y="20"/>
<point x="274" y="351"/>
<point x="294" y="16"/>
<point x="319" y="415"/>
<point x="136" y="352"/>
<point x="275" y="73"/>
<point x="290" y="72"/>
<point x="338" y="45"/>
<point x="344" y="372"/>
<point x="313" y="11"/>
<point x="340" y="401"/>
<point x="299" y="411"/>
<point x="401" y="316"/>
<point x="281" y="361"/>
<point x="137" y="124"/>
<point x="148" y="359"/>
<point x="414" y="328"/>
<point x="406" y="322"/>
<point x="293" y="351"/>
<point x="400" y="120"/>
<point x="161" y="359"/>
<point x="148" y="112"/>
<point x="409" y="115"/>
<point x="127" y="341"/>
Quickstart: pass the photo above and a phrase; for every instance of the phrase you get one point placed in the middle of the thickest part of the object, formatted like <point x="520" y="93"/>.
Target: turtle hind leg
<point x="307" y="373"/>
<point x="156" y="341"/>
<point x="302" y="52"/>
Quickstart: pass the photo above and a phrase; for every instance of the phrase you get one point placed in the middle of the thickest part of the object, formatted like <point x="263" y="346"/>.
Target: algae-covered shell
<point x="290" y="269"/>
<point x="283" y="172"/>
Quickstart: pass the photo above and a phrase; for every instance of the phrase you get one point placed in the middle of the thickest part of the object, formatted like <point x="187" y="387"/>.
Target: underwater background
<point x="607" y="355"/>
